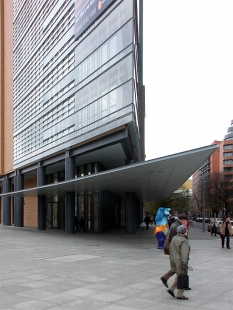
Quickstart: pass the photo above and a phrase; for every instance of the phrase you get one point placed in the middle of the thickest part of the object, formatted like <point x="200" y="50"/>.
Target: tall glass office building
<point x="69" y="90"/>
<point x="78" y="106"/>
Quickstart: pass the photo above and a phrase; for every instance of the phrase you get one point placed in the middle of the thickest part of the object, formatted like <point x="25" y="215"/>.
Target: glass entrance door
<point x="55" y="213"/>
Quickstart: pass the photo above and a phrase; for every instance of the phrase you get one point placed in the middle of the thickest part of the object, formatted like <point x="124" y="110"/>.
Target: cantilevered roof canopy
<point x="152" y="180"/>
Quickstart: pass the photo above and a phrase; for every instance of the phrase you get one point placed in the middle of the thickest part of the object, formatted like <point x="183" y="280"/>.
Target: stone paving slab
<point x="110" y="271"/>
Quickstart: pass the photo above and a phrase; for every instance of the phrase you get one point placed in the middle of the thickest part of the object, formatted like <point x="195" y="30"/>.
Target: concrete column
<point x="141" y="213"/>
<point x="6" y="202"/>
<point x="136" y="213"/>
<point x="85" y="212"/>
<point x="100" y="202"/>
<point x="70" y="196"/>
<point x="130" y="213"/>
<point x="69" y="167"/>
<point x="42" y="207"/>
<point x="18" y="201"/>
<point x="70" y="213"/>
<point x="92" y="213"/>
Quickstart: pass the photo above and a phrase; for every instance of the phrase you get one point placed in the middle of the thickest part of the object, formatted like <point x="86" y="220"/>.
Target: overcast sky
<point x="188" y="73"/>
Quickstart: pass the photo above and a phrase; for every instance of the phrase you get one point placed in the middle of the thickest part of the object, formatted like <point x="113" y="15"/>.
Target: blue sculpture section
<point x="161" y="229"/>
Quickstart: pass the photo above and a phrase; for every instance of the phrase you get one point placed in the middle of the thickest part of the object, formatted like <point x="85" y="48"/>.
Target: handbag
<point x="182" y="281"/>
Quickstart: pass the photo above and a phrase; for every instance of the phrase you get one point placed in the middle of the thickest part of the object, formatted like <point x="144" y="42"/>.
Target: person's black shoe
<point x="171" y="293"/>
<point x="188" y="288"/>
<point x="182" y="298"/>
<point x="164" y="281"/>
<point x="222" y="246"/>
<point x="229" y="247"/>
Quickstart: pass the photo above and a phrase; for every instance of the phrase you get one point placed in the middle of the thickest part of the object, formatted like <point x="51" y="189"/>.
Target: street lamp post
<point x="203" y="203"/>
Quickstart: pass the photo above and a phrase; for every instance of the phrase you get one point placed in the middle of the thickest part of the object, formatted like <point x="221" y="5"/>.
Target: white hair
<point x="181" y="229"/>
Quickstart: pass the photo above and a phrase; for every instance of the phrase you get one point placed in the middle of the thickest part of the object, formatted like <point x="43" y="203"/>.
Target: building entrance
<point x="55" y="212"/>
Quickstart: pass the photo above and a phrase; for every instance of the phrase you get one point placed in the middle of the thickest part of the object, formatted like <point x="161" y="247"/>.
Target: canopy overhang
<point x="152" y="180"/>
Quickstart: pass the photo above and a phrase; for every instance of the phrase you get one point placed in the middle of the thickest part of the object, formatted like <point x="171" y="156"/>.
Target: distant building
<point x="226" y="152"/>
<point x="188" y="185"/>
<point x="186" y="191"/>
<point x="210" y="165"/>
<point x="221" y="161"/>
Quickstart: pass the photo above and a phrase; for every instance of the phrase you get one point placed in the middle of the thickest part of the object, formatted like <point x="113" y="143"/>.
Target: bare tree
<point x="198" y="196"/>
<point x="220" y="193"/>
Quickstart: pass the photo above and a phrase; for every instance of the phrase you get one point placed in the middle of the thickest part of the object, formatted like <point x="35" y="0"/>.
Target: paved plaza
<point x="110" y="271"/>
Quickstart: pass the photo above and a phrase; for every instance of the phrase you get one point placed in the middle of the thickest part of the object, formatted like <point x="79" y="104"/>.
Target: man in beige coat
<point x="182" y="220"/>
<point x="179" y="254"/>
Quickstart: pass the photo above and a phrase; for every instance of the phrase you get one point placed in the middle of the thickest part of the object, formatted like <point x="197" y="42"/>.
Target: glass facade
<point x="65" y="89"/>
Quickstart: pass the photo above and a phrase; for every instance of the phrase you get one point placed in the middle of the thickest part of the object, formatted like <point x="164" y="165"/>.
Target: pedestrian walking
<point x="81" y="224"/>
<point x="151" y="219"/>
<point x="182" y="220"/>
<point x="147" y="221"/>
<point x="214" y="227"/>
<point x="179" y="255"/>
<point x="225" y="232"/>
<point x="171" y="219"/>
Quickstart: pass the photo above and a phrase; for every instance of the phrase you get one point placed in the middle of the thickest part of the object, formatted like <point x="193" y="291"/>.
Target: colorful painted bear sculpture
<point x="161" y="229"/>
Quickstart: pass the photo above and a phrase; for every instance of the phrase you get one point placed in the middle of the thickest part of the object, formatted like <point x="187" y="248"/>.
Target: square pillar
<point x="42" y="206"/>
<point x="6" y="202"/>
<point x="130" y="213"/>
<point x="70" y="196"/>
<point x="18" y="201"/>
<point x="70" y="212"/>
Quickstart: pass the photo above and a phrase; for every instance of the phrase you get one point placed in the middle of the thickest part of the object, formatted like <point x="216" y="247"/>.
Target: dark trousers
<point x="169" y="274"/>
<point x="223" y="240"/>
<point x="214" y="230"/>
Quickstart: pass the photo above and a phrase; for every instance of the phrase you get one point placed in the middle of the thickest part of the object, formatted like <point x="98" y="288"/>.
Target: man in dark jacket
<point x="182" y="220"/>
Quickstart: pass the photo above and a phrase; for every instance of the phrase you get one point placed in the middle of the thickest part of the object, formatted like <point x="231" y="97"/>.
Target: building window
<point x="228" y="146"/>
<point x="228" y="162"/>
<point x="228" y="169"/>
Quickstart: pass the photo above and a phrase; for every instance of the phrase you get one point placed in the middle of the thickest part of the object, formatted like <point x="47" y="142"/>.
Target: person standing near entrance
<point x="76" y="224"/>
<point x="214" y="227"/>
<point x="147" y="221"/>
<point x="81" y="224"/>
<point x="225" y="231"/>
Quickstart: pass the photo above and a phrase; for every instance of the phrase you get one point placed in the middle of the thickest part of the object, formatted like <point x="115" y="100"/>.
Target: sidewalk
<point x="110" y="271"/>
